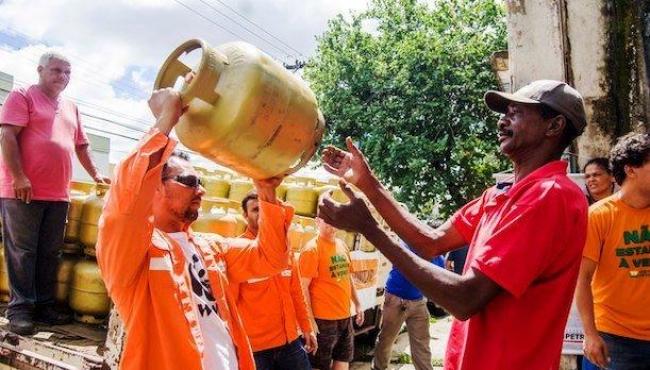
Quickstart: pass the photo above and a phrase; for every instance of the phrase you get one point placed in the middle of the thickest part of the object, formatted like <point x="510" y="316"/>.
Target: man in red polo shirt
<point x="525" y="237"/>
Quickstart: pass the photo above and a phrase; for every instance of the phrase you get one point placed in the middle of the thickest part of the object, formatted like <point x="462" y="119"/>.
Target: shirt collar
<point x="550" y="169"/>
<point x="553" y="168"/>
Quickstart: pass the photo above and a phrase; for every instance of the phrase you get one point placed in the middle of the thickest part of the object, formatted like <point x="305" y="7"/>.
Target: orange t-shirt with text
<point x="328" y="265"/>
<point x="618" y="239"/>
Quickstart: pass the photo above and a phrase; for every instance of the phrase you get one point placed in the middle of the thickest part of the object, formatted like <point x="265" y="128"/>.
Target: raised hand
<point x="352" y="216"/>
<point x="266" y="188"/>
<point x="166" y="102"/>
<point x="350" y="165"/>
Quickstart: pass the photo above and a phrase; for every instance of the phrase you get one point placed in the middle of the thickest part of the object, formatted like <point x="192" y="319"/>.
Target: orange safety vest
<point x="272" y="308"/>
<point x="144" y="270"/>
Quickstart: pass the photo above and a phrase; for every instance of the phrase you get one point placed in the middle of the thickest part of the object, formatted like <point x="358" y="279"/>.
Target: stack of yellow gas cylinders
<point x="79" y="283"/>
<point x="221" y="210"/>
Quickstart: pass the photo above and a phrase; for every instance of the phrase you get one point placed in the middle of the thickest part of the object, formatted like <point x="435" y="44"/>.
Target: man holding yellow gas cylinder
<point x="170" y="285"/>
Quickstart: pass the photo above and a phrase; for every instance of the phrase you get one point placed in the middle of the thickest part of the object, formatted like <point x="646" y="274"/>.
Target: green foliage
<point x="403" y="358"/>
<point x="410" y="94"/>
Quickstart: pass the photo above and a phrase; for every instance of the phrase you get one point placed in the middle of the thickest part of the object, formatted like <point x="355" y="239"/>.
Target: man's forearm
<point x="304" y="283"/>
<point x="355" y="294"/>
<point x="422" y="238"/>
<point x="458" y="294"/>
<point x="585" y="303"/>
<point x="11" y="154"/>
<point x="86" y="160"/>
<point x="164" y="124"/>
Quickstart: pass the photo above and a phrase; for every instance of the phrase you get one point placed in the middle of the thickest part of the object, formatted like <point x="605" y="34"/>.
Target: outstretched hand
<point x="350" y="165"/>
<point x="352" y="216"/>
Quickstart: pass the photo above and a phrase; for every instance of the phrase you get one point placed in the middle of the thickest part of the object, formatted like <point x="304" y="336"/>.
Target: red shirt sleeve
<point x="466" y="219"/>
<point x="15" y="110"/>
<point x="515" y="251"/>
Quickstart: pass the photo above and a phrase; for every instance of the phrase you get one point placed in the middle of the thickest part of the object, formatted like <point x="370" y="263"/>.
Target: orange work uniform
<point x="272" y="308"/>
<point x="144" y="270"/>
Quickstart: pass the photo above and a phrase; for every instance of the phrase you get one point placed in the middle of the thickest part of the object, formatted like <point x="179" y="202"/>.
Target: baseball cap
<point x="556" y="94"/>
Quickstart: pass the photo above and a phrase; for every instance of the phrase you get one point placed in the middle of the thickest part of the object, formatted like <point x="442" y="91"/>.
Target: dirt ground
<point x="439" y="329"/>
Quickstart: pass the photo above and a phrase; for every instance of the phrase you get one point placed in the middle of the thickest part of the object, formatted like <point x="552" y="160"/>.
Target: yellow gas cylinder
<point x="88" y="297"/>
<point x="83" y="187"/>
<point x="222" y="173"/>
<point x="215" y="185"/>
<point x="303" y="197"/>
<point x="296" y="234"/>
<point x="71" y="248"/>
<point x="4" y="277"/>
<point x="217" y="220"/>
<point x="365" y="245"/>
<point x="337" y="194"/>
<point x="207" y="203"/>
<point x="204" y="223"/>
<point x="239" y="219"/>
<point x="246" y="111"/>
<point x="305" y="221"/>
<point x="281" y="192"/>
<point x="348" y="237"/>
<point x="64" y="276"/>
<point x="92" y="210"/>
<point x="72" y="226"/>
<point x="239" y="189"/>
<point x="202" y="170"/>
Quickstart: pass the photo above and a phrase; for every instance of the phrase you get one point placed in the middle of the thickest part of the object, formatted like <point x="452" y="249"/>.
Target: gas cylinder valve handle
<point x="203" y="85"/>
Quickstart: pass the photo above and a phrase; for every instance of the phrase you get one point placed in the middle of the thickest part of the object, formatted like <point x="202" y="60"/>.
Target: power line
<point x="107" y="120"/>
<point x="259" y="27"/>
<point x="82" y="102"/>
<point x="122" y="124"/>
<point x="298" y="64"/>
<point x="90" y="105"/>
<point x="76" y="58"/>
<point x="216" y="24"/>
<point x="245" y="28"/>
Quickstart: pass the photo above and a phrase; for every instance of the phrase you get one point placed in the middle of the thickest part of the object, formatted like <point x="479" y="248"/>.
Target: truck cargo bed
<point x="72" y="346"/>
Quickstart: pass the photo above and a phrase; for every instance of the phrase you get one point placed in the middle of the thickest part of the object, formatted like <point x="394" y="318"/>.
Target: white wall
<point x="100" y="148"/>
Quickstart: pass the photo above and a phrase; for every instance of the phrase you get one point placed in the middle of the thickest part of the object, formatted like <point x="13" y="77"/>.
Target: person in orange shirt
<point x="272" y="309"/>
<point x="328" y="287"/>
<point x="169" y="285"/>
<point x="613" y="292"/>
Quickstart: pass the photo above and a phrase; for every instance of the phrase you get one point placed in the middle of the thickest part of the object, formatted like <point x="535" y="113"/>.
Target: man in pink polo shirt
<point x="526" y="237"/>
<point x="39" y="133"/>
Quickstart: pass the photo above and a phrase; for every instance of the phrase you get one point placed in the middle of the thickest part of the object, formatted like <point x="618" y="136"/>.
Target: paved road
<point x="439" y="333"/>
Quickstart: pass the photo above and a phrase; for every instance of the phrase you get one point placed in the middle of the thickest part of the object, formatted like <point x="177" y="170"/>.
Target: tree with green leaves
<point x="405" y="79"/>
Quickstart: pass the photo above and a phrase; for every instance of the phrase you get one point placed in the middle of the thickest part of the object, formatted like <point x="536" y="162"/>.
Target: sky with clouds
<point x="116" y="47"/>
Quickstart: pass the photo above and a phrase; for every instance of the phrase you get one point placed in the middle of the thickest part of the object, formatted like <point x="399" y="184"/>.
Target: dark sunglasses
<point x="191" y="181"/>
